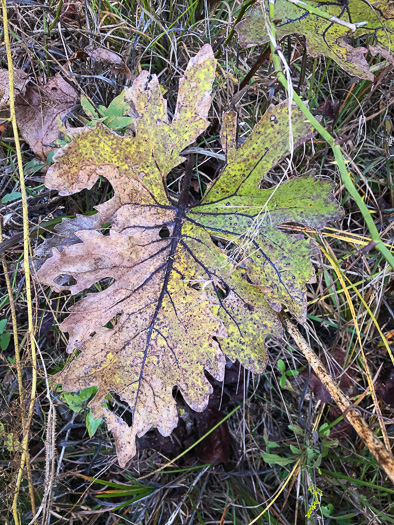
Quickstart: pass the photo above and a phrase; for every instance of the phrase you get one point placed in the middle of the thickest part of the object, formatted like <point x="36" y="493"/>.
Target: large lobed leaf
<point x="179" y="301"/>
<point x="325" y="37"/>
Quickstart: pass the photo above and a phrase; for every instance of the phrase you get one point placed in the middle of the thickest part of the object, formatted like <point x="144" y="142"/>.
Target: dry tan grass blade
<point x="376" y="447"/>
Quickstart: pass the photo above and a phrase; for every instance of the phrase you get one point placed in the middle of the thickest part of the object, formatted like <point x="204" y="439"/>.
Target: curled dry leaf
<point x="108" y="58"/>
<point x="38" y="110"/>
<point x="325" y="37"/>
<point x="20" y="81"/>
<point x="179" y="303"/>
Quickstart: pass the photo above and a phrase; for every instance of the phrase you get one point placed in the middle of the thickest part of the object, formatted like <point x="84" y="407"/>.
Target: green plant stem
<point x="340" y="161"/>
<point x="57" y="16"/>
<point x="244" y="7"/>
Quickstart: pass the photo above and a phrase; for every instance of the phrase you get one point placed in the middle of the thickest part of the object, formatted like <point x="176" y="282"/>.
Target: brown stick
<point x="375" y="446"/>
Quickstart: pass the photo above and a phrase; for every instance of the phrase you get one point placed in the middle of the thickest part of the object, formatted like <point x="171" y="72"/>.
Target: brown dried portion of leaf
<point x="65" y="234"/>
<point x="38" y="110"/>
<point x="172" y="345"/>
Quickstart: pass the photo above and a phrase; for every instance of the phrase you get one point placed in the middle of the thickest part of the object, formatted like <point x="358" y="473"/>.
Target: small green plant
<point x="283" y="382"/>
<point x="133" y="488"/>
<point x="114" y="116"/>
<point x="77" y="403"/>
<point x="10" y="197"/>
<point x="310" y="454"/>
<point x="9" y="440"/>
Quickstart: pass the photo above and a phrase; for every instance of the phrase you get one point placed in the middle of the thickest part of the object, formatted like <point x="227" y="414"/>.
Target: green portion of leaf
<point x="3" y="324"/>
<point x="325" y="37"/>
<point x="77" y="402"/>
<point x="295" y="450"/>
<point x="298" y="431"/>
<point x="266" y="145"/>
<point x="10" y="197"/>
<point x="32" y="167"/>
<point x="188" y="286"/>
<point x="324" y="430"/>
<point x="92" y="424"/>
<point x="115" y="114"/>
<point x="292" y="373"/>
<point x="281" y="365"/>
<point x="277" y="262"/>
<point x="316" y="464"/>
<point x="88" y="108"/>
<point x="5" y="339"/>
<point x="274" y="459"/>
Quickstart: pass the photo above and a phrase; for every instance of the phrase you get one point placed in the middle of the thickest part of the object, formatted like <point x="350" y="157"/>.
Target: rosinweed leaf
<point x="180" y="301"/>
<point x="325" y="37"/>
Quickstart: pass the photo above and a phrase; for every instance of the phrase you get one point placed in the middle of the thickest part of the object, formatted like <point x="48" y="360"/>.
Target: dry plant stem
<point x="339" y="159"/>
<point x="18" y="368"/>
<point x="26" y="244"/>
<point x="375" y="446"/>
<point x="50" y="450"/>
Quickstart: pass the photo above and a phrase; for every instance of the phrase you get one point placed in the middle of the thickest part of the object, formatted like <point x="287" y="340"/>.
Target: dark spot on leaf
<point x="164" y="232"/>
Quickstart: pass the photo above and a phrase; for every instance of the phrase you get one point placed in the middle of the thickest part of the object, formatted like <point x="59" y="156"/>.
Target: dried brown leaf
<point x="37" y="112"/>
